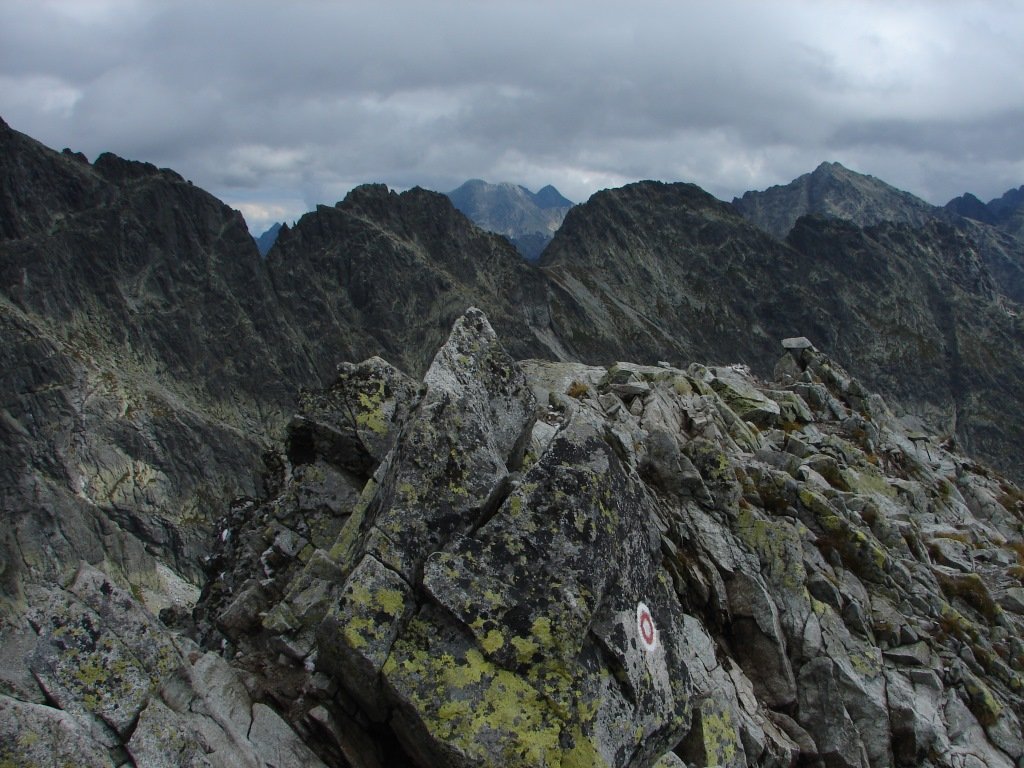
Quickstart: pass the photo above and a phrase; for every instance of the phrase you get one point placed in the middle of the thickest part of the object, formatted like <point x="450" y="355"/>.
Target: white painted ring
<point x="645" y="628"/>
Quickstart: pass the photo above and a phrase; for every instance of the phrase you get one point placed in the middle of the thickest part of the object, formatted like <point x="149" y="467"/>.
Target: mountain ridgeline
<point x="152" y="361"/>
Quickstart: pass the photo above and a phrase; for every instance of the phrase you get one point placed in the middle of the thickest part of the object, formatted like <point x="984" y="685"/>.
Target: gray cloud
<point x="275" y="107"/>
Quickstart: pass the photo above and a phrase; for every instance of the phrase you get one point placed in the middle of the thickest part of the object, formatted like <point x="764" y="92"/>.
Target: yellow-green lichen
<point x="718" y="736"/>
<point x="541" y="630"/>
<point x="582" y="754"/>
<point x="391" y="601"/>
<point x="777" y="545"/>
<point x="525" y="649"/>
<point x="27" y="739"/>
<point x="982" y="702"/>
<point x="359" y="632"/>
<point x="866" y="661"/>
<point x="506" y="712"/>
<point x="344" y="548"/>
<point x="371" y="415"/>
<point x="867" y="480"/>
<point x="492" y="641"/>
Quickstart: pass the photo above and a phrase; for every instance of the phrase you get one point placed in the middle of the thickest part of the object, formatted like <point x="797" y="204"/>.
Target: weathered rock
<point x="34" y="734"/>
<point x="352" y="423"/>
<point x="597" y="586"/>
<point x="508" y="637"/>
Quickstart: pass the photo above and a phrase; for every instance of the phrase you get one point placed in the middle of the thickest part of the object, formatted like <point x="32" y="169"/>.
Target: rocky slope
<point x="142" y="365"/>
<point x="836" y="192"/>
<point x="656" y="271"/>
<point x="553" y="564"/>
<point x="528" y="219"/>
<point x="149" y="360"/>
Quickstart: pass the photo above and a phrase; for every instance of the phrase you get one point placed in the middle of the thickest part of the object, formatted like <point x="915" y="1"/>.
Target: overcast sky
<point x="277" y="106"/>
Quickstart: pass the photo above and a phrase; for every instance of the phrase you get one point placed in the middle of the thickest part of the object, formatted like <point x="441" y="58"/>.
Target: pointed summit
<point x="970" y="207"/>
<point x="835" y="191"/>
<point x="549" y="197"/>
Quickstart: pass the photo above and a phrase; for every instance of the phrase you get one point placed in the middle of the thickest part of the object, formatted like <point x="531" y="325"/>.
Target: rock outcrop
<point x="557" y="564"/>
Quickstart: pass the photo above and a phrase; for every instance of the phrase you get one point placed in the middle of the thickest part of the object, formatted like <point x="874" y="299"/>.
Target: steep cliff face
<point x="143" y="365"/>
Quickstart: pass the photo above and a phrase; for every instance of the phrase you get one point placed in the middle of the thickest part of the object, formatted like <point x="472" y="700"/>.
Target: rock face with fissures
<point x="554" y="564"/>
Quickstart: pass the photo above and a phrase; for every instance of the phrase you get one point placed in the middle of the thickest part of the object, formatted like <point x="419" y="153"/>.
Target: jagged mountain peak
<point x="1011" y="199"/>
<point x="266" y="240"/>
<point x="970" y="207"/>
<point x="832" y="190"/>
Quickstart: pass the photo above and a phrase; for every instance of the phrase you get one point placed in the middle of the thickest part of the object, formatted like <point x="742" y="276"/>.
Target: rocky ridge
<point x="387" y="273"/>
<point x="832" y="191"/>
<point x="656" y="271"/>
<point x="1005" y="212"/>
<point x="558" y="564"/>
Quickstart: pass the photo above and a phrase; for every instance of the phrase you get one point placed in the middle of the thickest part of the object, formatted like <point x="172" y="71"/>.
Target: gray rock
<point x="87" y="669"/>
<point x="35" y="734"/>
<point x="355" y="637"/>
<point x="916" y="655"/>
<point x="824" y="716"/>
<point x="1013" y="600"/>
<point x="797" y="343"/>
<point x="760" y="643"/>
<point x="277" y="744"/>
<point x="165" y="739"/>
<point x="915" y="714"/>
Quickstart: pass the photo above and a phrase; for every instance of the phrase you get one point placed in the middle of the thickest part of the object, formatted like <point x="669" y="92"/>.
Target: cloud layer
<point x="276" y="107"/>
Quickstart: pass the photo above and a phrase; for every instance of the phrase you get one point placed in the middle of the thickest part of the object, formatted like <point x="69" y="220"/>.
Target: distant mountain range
<point x="528" y="219"/>
<point x="834" y="191"/>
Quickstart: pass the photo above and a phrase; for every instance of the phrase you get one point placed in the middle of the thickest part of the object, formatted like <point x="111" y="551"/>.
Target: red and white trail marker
<point x="645" y="627"/>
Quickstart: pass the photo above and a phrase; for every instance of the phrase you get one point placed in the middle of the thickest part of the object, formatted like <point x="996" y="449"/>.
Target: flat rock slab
<point x="797" y="343"/>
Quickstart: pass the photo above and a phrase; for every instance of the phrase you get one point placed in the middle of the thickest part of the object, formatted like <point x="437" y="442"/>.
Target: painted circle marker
<point x="645" y="627"/>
